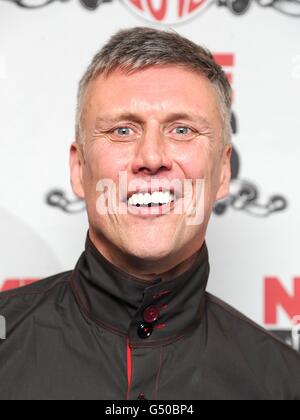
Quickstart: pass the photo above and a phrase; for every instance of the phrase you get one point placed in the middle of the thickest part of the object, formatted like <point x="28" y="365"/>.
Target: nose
<point x="151" y="156"/>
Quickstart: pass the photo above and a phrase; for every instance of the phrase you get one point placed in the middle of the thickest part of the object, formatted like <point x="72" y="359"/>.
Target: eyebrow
<point x="171" y="117"/>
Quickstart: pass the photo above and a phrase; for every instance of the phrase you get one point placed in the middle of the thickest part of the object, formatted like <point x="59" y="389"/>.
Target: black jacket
<point x="98" y="333"/>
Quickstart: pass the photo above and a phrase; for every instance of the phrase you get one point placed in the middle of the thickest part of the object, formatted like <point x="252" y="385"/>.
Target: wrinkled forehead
<point x="152" y="92"/>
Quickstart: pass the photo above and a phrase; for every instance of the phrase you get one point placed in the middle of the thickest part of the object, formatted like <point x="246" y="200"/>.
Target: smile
<point x="151" y="205"/>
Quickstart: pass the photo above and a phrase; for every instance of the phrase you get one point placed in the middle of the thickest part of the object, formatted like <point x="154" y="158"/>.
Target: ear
<point x="225" y="174"/>
<point x="76" y="168"/>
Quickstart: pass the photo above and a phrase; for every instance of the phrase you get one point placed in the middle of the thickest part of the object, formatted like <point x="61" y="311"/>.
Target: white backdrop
<point x="43" y="54"/>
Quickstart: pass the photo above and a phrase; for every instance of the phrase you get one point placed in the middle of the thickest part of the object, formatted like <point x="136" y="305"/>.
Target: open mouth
<point x="151" y="204"/>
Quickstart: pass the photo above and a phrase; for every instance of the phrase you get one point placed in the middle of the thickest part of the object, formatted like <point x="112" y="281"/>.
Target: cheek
<point x="102" y="162"/>
<point x="201" y="163"/>
<point x="195" y="162"/>
<point x="215" y="177"/>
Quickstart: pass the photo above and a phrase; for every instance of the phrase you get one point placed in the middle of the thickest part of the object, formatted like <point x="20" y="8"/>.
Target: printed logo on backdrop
<point x="168" y="12"/>
<point x="279" y="303"/>
<point x="175" y="11"/>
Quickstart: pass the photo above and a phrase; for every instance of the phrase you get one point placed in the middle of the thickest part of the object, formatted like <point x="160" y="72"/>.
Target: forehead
<point x="159" y="89"/>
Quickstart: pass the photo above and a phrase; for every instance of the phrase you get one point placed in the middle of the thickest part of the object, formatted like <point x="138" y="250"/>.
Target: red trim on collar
<point x="129" y="368"/>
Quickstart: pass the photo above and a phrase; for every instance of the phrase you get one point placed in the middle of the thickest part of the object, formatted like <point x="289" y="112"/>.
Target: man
<point x="133" y="319"/>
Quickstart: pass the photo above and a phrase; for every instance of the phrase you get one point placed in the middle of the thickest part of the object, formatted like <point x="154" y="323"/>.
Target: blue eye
<point x="123" y="131"/>
<point x="182" y="130"/>
<point x="122" y="134"/>
<point x="183" y="133"/>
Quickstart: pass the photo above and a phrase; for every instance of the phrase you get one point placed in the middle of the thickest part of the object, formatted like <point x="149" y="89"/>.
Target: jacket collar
<point x="121" y="303"/>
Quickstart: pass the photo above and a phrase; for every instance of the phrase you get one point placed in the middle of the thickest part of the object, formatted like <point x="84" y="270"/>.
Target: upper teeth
<point x="155" y="198"/>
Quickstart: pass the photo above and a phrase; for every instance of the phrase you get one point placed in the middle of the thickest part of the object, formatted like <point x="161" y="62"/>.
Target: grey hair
<point x="139" y="48"/>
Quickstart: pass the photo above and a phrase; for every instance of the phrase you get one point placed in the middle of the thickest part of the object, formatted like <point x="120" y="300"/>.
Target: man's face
<point x="165" y="147"/>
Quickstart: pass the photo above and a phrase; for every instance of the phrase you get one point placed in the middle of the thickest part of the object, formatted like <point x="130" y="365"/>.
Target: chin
<point x="149" y="252"/>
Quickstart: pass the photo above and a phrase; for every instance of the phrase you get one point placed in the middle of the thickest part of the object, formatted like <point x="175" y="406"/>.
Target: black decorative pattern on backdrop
<point x="237" y="7"/>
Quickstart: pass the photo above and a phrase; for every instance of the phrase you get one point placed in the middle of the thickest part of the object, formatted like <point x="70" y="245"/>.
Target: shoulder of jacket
<point x="40" y="287"/>
<point x="230" y="316"/>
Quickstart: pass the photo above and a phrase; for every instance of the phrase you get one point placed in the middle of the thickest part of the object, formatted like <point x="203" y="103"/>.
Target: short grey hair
<point x="139" y="48"/>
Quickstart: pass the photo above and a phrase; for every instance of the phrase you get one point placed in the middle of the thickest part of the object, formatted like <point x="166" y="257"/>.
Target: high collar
<point x="121" y="303"/>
